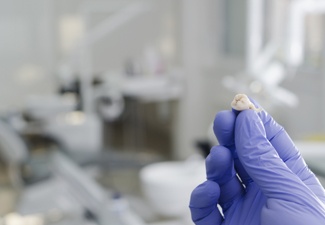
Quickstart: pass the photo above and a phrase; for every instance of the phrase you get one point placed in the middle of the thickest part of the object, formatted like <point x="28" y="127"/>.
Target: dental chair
<point x="67" y="197"/>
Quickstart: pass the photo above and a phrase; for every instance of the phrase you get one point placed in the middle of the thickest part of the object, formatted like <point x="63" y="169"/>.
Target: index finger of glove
<point x="224" y="127"/>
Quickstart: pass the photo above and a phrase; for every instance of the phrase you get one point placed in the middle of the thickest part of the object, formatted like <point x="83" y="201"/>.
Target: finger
<point x="288" y="152"/>
<point x="223" y="127"/>
<point x="203" y="204"/>
<point x="264" y="165"/>
<point x="276" y="134"/>
<point x="220" y="169"/>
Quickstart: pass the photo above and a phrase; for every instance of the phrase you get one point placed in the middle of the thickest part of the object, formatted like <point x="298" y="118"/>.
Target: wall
<point x="26" y="51"/>
<point x="31" y="43"/>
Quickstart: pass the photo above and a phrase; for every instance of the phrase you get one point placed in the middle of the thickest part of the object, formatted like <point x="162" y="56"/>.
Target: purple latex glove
<point x="275" y="186"/>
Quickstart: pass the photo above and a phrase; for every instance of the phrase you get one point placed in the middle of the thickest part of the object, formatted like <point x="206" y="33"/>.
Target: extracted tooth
<point x="242" y="102"/>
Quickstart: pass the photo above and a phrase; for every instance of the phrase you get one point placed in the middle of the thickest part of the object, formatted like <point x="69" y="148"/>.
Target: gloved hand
<point x="274" y="185"/>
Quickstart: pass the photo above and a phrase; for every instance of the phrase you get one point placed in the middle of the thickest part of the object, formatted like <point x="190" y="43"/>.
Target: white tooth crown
<point x="242" y="102"/>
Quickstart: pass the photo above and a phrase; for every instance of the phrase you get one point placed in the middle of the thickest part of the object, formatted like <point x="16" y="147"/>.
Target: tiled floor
<point x="7" y="195"/>
<point x="7" y="199"/>
<point x="126" y="182"/>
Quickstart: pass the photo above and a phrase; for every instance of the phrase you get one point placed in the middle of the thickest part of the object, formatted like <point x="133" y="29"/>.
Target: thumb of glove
<point x="263" y="163"/>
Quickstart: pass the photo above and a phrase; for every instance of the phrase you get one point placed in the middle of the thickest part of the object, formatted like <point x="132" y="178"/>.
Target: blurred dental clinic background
<point x="106" y="106"/>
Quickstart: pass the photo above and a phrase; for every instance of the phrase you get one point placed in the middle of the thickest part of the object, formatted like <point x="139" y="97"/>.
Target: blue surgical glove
<point x="257" y="176"/>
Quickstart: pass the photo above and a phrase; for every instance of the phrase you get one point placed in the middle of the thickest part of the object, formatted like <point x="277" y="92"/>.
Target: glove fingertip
<point x="223" y="127"/>
<point x="219" y="164"/>
<point x="247" y="116"/>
